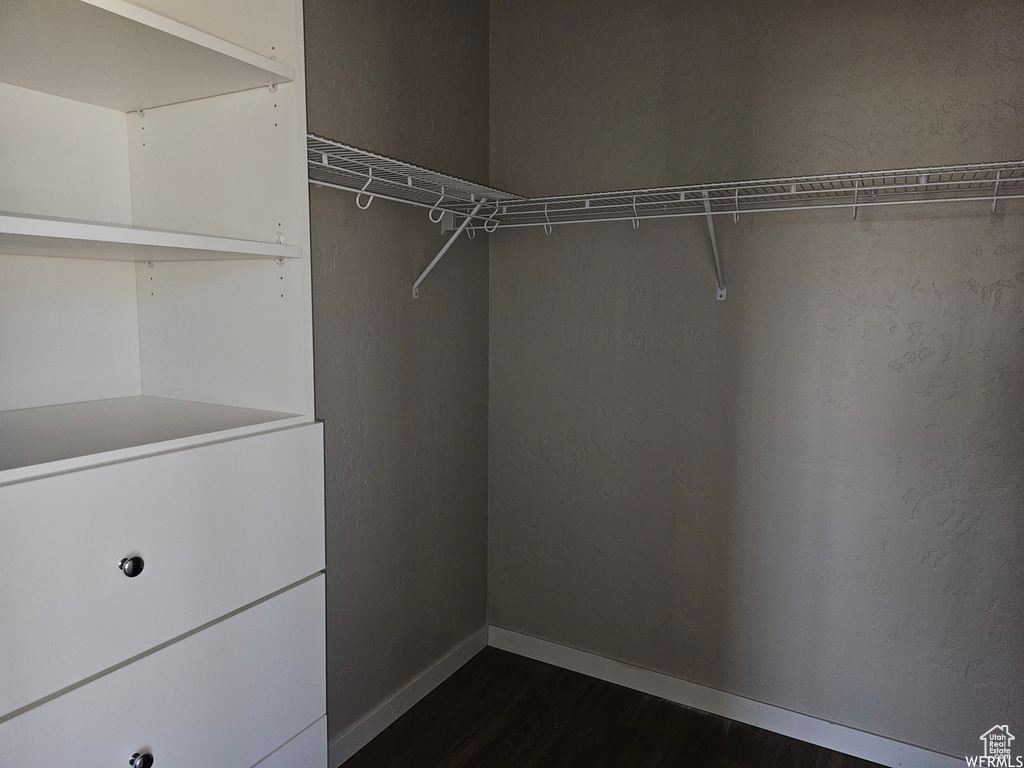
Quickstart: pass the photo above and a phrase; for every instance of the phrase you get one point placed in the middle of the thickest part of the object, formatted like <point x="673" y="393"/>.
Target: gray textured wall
<point x="400" y="383"/>
<point x="811" y="494"/>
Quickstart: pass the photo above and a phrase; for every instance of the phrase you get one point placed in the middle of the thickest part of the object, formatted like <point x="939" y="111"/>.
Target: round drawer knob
<point x="139" y="760"/>
<point x="132" y="567"/>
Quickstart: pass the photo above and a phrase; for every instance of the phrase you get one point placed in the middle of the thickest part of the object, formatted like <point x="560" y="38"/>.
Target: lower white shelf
<point x="59" y="438"/>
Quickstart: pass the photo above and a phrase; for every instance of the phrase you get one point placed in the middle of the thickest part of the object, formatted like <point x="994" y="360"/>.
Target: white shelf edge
<point x="24" y="235"/>
<point x="75" y="463"/>
<point x="154" y="20"/>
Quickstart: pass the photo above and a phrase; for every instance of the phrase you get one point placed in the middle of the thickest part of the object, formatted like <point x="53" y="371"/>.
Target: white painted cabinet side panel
<point x="62" y="158"/>
<point x="69" y="331"/>
<point x="218" y="527"/>
<point x="231" y="333"/>
<point x="264" y="26"/>
<point x="306" y="750"/>
<point x="223" y="697"/>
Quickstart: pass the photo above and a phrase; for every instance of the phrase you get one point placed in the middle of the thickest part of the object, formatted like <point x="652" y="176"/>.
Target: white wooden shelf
<point x="59" y="438"/>
<point x="117" y="55"/>
<point x="23" y="235"/>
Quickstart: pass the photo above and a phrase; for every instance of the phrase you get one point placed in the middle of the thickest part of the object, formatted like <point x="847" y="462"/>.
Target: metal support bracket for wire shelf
<point x="714" y="248"/>
<point x="444" y="250"/>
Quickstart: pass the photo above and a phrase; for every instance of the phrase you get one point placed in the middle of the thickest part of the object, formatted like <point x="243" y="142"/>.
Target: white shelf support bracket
<point x="444" y="250"/>
<point x="714" y="247"/>
<point x="995" y="191"/>
<point x="856" y="196"/>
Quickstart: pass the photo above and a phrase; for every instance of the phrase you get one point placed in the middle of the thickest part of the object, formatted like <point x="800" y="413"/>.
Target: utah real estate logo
<point x="998" y="752"/>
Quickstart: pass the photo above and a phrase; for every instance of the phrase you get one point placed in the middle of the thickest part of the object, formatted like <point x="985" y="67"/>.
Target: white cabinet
<point x="156" y="387"/>
<point x="214" y="528"/>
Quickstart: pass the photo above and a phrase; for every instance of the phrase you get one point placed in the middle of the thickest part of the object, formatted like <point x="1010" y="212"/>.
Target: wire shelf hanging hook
<point x="547" y="227"/>
<point x="736" y="213"/>
<point x="369" y="199"/>
<point x="440" y="211"/>
<point x="636" y="216"/>
<point x="487" y="224"/>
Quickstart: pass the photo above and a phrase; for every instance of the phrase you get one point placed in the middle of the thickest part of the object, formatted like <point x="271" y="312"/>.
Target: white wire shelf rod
<point x="355" y="190"/>
<point x="741" y="203"/>
<point x="647" y="209"/>
<point x="317" y="148"/>
<point x="405" y="185"/>
<point x="736" y="197"/>
<point x="683" y="214"/>
<point x="1012" y="165"/>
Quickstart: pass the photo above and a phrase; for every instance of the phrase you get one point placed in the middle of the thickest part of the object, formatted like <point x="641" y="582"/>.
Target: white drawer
<point x="218" y="527"/>
<point x="306" y="750"/>
<point x="224" y="697"/>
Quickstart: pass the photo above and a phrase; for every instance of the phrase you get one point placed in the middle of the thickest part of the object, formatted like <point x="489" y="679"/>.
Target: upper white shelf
<point x="370" y="175"/>
<point x="988" y="183"/>
<point x="23" y="235"/>
<point x="117" y="55"/>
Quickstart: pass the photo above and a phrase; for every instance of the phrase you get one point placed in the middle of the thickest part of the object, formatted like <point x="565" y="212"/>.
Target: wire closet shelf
<point x="369" y="175"/>
<point x="989" y="182"/>
<point x="470" y="207"/>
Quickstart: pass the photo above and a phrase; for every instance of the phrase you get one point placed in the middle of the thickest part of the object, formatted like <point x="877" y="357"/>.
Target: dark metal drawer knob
<point x="132" y="567"/>
<point x="139" y="760"/>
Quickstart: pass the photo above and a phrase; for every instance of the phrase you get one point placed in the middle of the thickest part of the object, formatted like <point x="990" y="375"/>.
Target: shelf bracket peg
<point x="272" y="87"/>
<point x="444" y="250"/>
<point x="148" y="264"/>
<point x="714" y="247"/>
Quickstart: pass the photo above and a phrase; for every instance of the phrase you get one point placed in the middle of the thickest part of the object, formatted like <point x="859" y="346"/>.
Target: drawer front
<point x="224" y="697"/>
<point x="306" y="750"/>
<point x="217" y="527"/>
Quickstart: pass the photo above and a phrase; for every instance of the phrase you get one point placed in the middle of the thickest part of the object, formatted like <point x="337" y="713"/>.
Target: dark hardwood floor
<point x="505" y="711"/>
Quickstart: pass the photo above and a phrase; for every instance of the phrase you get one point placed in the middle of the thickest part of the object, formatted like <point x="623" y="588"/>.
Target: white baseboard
<point x="841" y="738"/>
<point x="360" y="734"/>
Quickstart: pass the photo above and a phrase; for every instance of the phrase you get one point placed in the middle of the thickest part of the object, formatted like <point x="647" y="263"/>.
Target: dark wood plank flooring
<point x="505" y="711"/>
